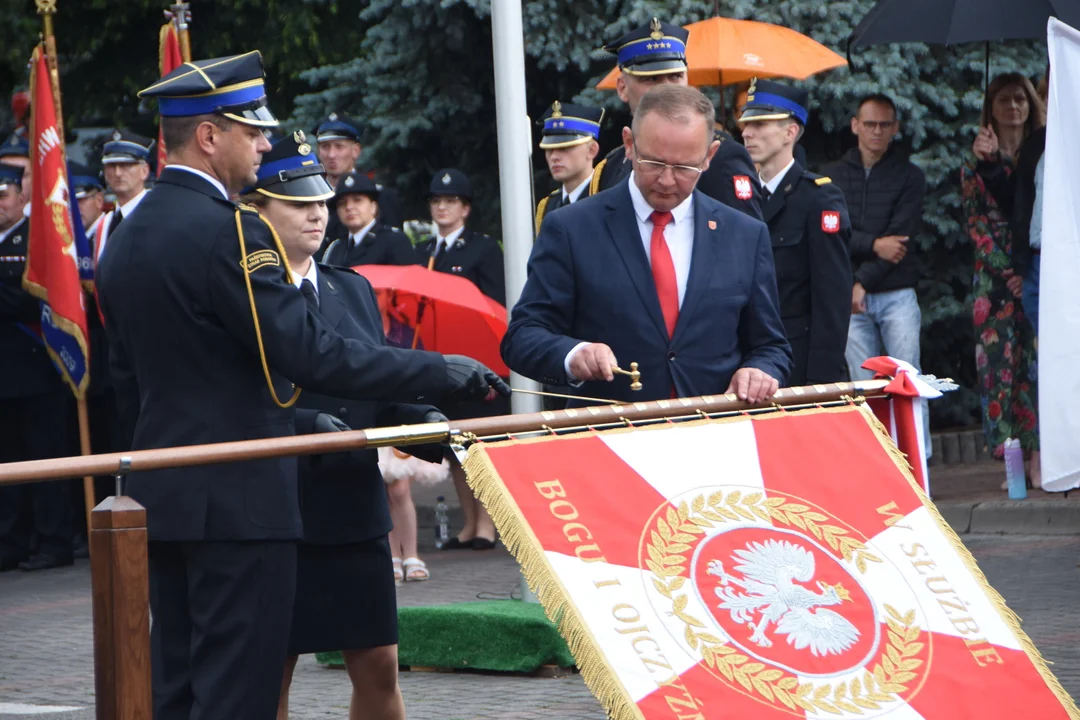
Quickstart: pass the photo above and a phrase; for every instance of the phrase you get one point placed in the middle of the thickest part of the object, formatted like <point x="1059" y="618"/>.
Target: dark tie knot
<point x="661" y="219"/>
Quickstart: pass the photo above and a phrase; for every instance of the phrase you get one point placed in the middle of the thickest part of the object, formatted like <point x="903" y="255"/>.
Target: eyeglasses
<point x="655" y="168"/>
<point x="873" y="125"/>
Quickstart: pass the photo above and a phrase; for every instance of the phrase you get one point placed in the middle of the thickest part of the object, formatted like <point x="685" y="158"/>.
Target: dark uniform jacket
<point x="186" y="363"/>
<point x="342" y="495"/>
<point x="731" y="177"/>
<point x="554" y="200"/>
<point x="381" y="245"/>
<point x="27" y="369"/>
<point x="809" y="226"/>
<point x="475" y="256"/>
<point x="888" y="201"/>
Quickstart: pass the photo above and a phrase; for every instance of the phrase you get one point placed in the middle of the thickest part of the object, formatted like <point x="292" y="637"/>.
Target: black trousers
<point x="35" y="428"/>
<point x="220" y="621"/>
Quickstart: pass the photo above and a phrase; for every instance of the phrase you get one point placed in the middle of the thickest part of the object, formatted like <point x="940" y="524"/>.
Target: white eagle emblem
<point x="830" y="221"/>
<point x="771" y="573"/>
<point x="743" y="189"/>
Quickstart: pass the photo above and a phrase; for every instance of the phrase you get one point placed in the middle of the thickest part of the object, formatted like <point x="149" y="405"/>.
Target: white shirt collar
<point x="777" y="179"/>
<point x="450" y="239"/>
<point x="129" y="207"/>
<point x="644" y="211"/>
<point x="208" y="178"/>
<point x="312" y="274"/>
<point x="575" y="194"/>
<point x="360" y="234"/>
<point x="26" y="210"/>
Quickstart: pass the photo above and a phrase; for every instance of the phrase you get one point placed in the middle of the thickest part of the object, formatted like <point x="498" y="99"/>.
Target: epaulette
<point x="246" y="207"/>
<point x="822" y="181"/>
<point x="336" y="268"/>
<point x="540" y="208"/>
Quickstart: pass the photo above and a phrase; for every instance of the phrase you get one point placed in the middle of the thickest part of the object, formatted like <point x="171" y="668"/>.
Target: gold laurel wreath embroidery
<point x="671" y="540"/>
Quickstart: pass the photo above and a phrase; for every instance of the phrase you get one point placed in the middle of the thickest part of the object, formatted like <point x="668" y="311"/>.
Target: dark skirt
<point x="345" y="597"/>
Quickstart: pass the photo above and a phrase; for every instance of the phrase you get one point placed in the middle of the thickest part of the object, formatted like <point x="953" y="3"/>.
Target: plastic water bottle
<point x="442" y="521"/>
<point x="1014" y="470"/>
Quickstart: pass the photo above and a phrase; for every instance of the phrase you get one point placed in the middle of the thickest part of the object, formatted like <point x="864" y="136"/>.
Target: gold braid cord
<point x="667" y="549"/>
<point x="254" y="311"/>
<point x="540" y="212"/>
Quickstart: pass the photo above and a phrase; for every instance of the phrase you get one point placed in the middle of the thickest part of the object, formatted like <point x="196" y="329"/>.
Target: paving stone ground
<point x="46" y="650"/>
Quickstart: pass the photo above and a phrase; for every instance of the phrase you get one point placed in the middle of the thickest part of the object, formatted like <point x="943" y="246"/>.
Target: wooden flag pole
<point x="47" y="8"/>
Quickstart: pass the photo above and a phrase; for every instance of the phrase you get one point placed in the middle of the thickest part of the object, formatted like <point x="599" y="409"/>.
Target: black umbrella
<point x="952" y="22"/>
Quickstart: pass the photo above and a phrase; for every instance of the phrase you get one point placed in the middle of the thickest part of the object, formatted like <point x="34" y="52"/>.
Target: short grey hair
<point x="678" y="103"/>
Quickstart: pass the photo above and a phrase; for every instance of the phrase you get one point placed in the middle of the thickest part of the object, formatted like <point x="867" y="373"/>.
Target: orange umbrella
<point x="722" y="51"/>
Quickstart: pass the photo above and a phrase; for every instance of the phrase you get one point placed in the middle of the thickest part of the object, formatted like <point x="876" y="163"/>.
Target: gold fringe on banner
<point x="600" y="677"/>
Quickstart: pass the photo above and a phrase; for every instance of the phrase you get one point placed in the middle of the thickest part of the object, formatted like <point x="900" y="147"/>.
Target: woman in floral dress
<point x="1004" y="340"/>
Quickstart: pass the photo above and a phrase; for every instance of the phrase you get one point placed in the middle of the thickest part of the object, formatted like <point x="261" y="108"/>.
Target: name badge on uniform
<point x="830" y="221"/>
<point x="743" y="189"/>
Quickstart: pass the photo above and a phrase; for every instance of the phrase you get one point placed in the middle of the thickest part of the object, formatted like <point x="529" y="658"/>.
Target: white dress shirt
<point x="778" y="178"/>
<point x="574" y="195"/>
<point x="360" y="234"/>
<point x="449" y="240"/>
<point x="312" y="274"/>
<point x="679" y="236"/>
<point x="106" y="220"/>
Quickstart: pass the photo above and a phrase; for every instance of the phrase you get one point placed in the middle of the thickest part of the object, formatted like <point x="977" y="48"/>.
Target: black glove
<point x="325" y="422"/>
<point x="434" y="416"/>
<point x="467" y="379"/>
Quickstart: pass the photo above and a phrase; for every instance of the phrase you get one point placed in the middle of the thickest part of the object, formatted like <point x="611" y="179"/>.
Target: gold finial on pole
<point x="633" y="373"/>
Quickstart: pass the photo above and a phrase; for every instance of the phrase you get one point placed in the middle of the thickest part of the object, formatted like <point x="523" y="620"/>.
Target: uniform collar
<point x="450" y="239"/>
<point x="208" y="178"/>
<point x="574" y="195"/>
<point x="311" y="275"/>
<point x="362" y="233"/>
<point x="777" y="179"/>
<point x="6" y="233"/>
<point x="129" y="207"/>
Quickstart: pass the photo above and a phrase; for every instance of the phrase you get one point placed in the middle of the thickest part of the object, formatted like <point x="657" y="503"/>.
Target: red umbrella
<point x="454" y="317"/>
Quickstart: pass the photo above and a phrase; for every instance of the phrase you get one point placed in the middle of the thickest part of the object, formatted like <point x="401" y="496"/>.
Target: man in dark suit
<point x="655" y="54"/>
<point x="361" y="238"/>
<point x="654" y="272"/>
<point x="34" y="410"/>
<point x="570" y="147"/>
<point x="809" y="224"/>
<point x="208" y="339"/>
<point x="455" y="249"/>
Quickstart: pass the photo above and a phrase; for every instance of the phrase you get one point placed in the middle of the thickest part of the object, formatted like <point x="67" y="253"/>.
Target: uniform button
<point x="671" y="356"/>
<point x="343" y="412"/>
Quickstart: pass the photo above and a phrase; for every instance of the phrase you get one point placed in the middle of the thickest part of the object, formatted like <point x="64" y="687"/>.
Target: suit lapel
<point x="623" y="229"/>
<point x="702" y="261"/>
<point x="779" y="198"/>
<point x="331" y="306"/>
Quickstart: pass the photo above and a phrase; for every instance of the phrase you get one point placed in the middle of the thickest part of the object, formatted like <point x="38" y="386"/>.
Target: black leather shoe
<point x="41" y="561"/>
<point x="10" y="561"/>
<point x="482" y="543"/>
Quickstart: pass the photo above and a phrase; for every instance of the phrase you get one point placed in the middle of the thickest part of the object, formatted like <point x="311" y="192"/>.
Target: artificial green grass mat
<point x="502" y="635"/>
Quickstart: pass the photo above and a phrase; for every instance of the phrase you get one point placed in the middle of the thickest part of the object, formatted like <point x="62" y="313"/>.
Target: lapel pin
<point x="712" y="224"/>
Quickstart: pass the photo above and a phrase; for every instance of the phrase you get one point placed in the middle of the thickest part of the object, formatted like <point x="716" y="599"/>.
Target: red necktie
<point x="663" y="271"/>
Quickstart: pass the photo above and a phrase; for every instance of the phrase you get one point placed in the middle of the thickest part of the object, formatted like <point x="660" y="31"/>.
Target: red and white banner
<point x="776" y="566"/>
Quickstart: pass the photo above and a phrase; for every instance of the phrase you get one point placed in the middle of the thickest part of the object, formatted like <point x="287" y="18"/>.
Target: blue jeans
<point x="890" y="326"/>
<point x="1030" y="295"/>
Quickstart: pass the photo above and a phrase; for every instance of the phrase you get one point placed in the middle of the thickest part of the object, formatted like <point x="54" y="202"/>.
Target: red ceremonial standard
<point x="784" y="565"/>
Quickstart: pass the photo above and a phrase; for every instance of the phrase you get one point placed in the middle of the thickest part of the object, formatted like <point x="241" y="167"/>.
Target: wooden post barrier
<point x="121" y="590"/>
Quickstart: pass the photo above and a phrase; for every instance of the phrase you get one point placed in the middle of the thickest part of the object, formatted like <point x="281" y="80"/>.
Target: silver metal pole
<point x="515" y="165"/>
<point x="515" y="170"/>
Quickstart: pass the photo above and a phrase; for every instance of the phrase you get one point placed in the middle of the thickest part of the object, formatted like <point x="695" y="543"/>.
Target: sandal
<point x="416" y="570"/>
<point x="399" y="571"/>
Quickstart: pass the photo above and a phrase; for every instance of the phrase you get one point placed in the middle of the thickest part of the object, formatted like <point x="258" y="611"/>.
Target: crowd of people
<point x="716" y="265"/>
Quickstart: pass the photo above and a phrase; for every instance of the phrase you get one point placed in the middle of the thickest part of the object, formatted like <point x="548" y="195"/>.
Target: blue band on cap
<point x="85" y="181"/>
<point x="779" y="101"/>
<point x="189" y="106"/>
<point x="336" y="127"/>
<point x="555" y="126"/>
<point x="647" y="46"/>
<point x="126" y="147"/>
<point x="288" y="163"/>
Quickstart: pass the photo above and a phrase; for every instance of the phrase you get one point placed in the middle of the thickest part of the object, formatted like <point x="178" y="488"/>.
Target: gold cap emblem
<point x="556" y="109"/>
<point x="301" y="140"/>
<point x="753" y="89"/>
<point x="657" y="33"/>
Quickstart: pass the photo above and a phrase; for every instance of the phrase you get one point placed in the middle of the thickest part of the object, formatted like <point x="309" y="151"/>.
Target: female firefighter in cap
<point x="345" y="598"/>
